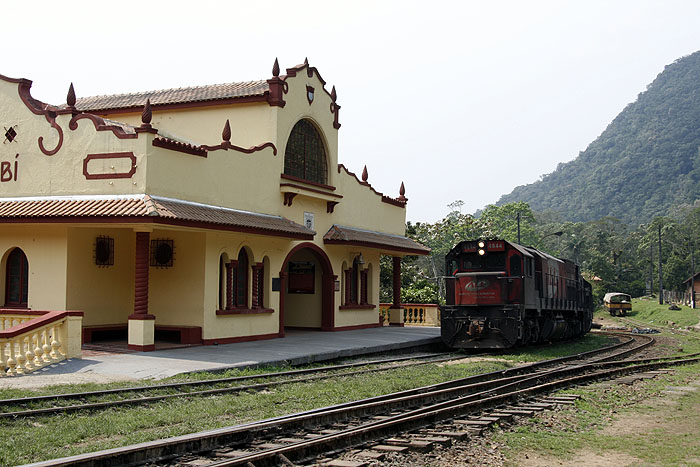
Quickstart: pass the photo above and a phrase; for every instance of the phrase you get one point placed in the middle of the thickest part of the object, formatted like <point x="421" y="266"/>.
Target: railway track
<point x="303" y="437"/>
<point x="140" y="395"/>
<point x="54" y="404"/>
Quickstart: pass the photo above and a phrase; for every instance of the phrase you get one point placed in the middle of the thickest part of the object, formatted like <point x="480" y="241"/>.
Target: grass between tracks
<point x="47" y="437"/>
<point x="619" y="424"/>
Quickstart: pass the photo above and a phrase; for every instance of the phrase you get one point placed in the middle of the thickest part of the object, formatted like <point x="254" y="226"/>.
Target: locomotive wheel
<point x="534" y="331"/>
<point x="526" y="333"/>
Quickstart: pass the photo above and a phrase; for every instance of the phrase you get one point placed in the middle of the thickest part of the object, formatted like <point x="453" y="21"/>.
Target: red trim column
<point x="327" y="296"/>
<point x="255" y="298"/>
<point x="229" y="286"/>
<point x="141" y="337"/>
<point x="348" y="286"/>
<point x="234" y="283"/>
<point x="283" y="289"/>
<point x="261" y="285"/>
<point x="363" y="287"/>
<point x="395" y="311"/>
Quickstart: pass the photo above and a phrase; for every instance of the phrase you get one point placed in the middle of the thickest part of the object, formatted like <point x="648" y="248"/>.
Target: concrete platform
<point x="298" y="347"/>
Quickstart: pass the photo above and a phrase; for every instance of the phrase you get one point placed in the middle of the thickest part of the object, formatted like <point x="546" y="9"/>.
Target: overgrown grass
<point x="549" y="351"/>
<point x="587" y="428"/>
<point x="41" y="438"/>
<point x="649" y="311"/>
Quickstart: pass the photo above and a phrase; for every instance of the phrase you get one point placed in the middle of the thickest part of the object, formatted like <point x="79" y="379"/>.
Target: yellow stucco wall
<point x="105" y="294"/>
<point x="46" y="251"/>
<point x="61" y="257"/>
<point x="251" y="124"/>
<point x="241" y="325"/>
<point x="62" y="173"/>
<point x="176" y="293"/>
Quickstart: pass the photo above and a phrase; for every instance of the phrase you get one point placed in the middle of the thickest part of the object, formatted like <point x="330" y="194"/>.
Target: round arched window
<point x="305" y="156"/>
<point x="16" y="279"/>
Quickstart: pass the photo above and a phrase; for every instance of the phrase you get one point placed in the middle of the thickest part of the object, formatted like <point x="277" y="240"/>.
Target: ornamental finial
<point x="334" y="95"/>
<point x="402" y="192"/>
<point x="365" y="175"/>
<point x="306" y="61"/>
<point x="226" y="134"/>
<point x="70" y="98"/>
<point x="147" y="115"/>
<point x="276" y="68"/>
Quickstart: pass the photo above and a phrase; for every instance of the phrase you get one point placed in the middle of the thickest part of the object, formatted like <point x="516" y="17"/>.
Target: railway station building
<point x="214" y="214"/>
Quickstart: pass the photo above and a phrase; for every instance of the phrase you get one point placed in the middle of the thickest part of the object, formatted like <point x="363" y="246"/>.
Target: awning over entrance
<point x="146" y="208"/>
<point x="342" y="235"/>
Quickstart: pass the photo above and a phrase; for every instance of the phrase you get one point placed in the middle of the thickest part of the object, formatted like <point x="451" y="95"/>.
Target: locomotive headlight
<point x="481" y="245"/>
<point x="482" y="252"/>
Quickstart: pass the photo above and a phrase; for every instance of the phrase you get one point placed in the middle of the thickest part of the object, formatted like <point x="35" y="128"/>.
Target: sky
<point x="460" y="100"/>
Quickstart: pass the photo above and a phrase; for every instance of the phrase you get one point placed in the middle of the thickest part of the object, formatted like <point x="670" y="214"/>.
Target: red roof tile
<point x="155" y="209"/>
<point x="342" y="235"/>
<point x="174" y="96"/>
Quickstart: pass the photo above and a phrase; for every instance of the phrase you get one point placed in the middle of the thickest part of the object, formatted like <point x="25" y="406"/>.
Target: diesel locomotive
<point x="500" y="295"/>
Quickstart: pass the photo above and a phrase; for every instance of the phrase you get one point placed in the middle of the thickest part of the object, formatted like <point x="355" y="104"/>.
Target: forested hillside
<point x="645" y="162"/>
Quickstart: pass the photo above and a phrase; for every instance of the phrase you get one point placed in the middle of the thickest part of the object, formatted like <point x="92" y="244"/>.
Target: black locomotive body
<point x="501" y="295"/>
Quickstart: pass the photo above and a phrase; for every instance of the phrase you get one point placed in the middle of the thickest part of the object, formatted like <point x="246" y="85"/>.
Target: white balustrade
<point x="39" y="347"/>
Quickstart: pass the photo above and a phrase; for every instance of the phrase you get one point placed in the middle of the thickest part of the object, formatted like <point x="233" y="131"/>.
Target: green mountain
<point x="645" y="162"/>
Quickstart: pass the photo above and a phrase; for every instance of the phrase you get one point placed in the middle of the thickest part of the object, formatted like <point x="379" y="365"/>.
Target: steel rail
<point x="197" y="442"/>
<point x="439" y="412"/>
<point x="82" y="395"/>
<point x="209" y="392"/>
<point x="253" y="387"/>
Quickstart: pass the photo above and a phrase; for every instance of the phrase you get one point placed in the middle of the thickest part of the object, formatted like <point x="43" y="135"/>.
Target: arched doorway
<point x="16" y="279"/>
<point x="307" y="289"/>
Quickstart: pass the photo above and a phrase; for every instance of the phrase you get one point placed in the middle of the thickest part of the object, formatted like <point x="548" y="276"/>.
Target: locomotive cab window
<point x="453" y="267"/>
<point x="516" y="268"/>
<point x="495" y="261"/>
<point x="491" y="261"/>
<point x="528" y="267"/>
<point x="470" y="262"/>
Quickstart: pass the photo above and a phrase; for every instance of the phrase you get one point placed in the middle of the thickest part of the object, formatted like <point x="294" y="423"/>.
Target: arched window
<point x="305" y="156"/>
<point x="241" y="287"/>
<point x="16" y="279"/>
<point x="356" y="283"/>
<point x="223" y="282"/>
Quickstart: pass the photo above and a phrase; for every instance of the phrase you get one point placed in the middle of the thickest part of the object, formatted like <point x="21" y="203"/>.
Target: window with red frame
<point x="16" y="279"/>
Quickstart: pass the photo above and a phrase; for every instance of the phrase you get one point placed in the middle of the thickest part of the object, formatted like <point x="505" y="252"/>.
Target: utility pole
<point x="651" y="268"/>
<point x="692" y="274"/>
<point x="661" y="283"/>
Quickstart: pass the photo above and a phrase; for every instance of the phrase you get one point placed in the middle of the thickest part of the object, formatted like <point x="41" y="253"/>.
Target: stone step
<point x="388" y="448"/>
<point x="534" y="408"/>
<point x="442" y="440"/>
<point x="544" y="405"/>
<point x="290" y="440"/>
<point x="482" y="423"/>
<point x="500" y="415"/>
<point x="269" y="445"/>
<point x="514" y="411"/>
<point x="458" y="435"/>
<point x="344" y="463"/>
<point x="488" y="419"/>
<point x="571" y="397"/>
<point x="232" y="454"/>
<point x="562" y="401"/>
<point x="371" y="454"/>
<point x="414" y="445"/>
